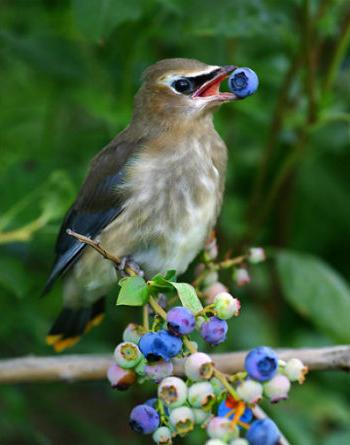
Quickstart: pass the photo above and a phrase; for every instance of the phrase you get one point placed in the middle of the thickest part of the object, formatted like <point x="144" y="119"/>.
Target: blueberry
<point x="243" y="82"/>
<point x="159" y="370"/>
<point x="261" y="363"/>
<point x="120" y="378"/>
<point x="144" y="419"/>
<point x="160" y="345"/>
<point x="214" y="331"/>
<point x="263" y="432"/>
<point x="181" y="321"/>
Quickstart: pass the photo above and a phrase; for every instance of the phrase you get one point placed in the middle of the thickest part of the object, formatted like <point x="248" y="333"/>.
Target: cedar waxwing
<point x="152" y="194"/>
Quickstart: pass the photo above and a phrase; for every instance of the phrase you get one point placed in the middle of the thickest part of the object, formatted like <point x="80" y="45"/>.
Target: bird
<point x="151" y="196"/>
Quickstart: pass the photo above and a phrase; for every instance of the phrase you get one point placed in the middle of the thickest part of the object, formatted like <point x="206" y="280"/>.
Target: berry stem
<point x="212" y="266"/>
<point x="189" y="345"/>
<point x="145" y="317"/>
<point x="157" y="308"/>
<point x="209" y="308"/>
<point x="221" y="377"/>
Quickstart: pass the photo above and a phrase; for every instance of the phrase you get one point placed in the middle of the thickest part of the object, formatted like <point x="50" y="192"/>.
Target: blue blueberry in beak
<point x="243" y="82"/>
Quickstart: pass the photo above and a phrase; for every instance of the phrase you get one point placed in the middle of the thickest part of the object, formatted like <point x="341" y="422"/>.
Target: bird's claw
<point x="126" y="265"/>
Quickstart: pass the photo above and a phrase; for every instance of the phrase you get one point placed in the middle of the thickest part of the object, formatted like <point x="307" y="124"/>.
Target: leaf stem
<point x="157" y="308"/>
<point x="145" y="317"/>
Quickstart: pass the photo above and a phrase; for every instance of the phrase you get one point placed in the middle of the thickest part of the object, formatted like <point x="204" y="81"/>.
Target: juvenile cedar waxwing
<point x="152" y="194"/>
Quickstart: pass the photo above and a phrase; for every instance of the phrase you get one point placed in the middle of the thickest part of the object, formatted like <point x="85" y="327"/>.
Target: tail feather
<point x="71" y="324"/>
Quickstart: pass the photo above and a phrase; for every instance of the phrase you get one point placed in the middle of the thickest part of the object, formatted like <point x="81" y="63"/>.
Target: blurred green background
<point x="68" y="72"/>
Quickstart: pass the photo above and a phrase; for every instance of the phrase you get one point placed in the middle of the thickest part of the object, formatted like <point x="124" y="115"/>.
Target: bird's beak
<point x="211" y="89"/>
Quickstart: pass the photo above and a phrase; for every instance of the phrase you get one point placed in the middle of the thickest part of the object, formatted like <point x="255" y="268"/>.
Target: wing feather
<point x="99" y="202"/>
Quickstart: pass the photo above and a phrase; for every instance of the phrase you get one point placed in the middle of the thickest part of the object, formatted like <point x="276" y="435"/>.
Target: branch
<point x="94" y="366"/>
<point x="116" y="260"/>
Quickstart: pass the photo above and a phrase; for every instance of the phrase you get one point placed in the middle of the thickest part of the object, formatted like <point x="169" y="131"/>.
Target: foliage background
<point x="69" y="70"/>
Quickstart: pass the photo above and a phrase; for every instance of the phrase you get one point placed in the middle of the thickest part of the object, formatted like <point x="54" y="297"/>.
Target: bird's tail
<point x="71" y="324"/>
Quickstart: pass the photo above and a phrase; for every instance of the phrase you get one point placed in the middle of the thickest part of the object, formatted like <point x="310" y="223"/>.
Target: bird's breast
<point x="173" y="202"/>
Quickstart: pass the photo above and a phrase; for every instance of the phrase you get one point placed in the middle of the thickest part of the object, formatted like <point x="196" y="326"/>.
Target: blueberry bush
<point x="221" y="404"/>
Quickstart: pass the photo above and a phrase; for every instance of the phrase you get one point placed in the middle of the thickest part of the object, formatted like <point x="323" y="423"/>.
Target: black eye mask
<point x="187" y="85"/>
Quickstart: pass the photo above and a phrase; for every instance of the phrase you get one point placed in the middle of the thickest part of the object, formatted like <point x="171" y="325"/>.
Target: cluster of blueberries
<point x="149" y="354"/>
<point x="223" y="405"/>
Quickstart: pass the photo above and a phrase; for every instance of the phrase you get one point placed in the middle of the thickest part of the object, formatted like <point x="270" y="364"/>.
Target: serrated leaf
<point x="133" y="292"/>
<point x="316" y="291"/>
<point x="188" y="296"/>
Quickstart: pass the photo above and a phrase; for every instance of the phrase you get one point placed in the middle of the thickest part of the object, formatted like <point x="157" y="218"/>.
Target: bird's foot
<point x="128" y="266"/>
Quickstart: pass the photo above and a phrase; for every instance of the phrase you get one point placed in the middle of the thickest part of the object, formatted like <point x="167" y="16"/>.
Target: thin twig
<point x="101" y="250"/>
<point x="94" y="366"/>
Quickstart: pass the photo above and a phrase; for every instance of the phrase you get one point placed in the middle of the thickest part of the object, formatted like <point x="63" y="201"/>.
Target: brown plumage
<point x="153" y="193"/>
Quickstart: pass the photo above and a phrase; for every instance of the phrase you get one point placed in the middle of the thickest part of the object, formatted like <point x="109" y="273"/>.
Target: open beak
<point x="211" y="88"/>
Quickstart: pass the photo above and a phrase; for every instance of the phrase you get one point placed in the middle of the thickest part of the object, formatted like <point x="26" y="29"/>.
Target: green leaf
<point x="170" y="275"/>
<point x="96" y="19"/>
<point x="163" y="283"/>
<point x="188" y="296"/>
<point x="316" y="291"/>
<point x="133" y="292"/>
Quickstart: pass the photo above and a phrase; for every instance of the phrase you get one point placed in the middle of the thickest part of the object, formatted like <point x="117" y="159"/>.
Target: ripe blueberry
<point x="214" y="331"/>
<point x="181" y="321"/>
<point x="243" y="82"/>
<point x="160" y="345"/>
<point x="144" y="419"/>
<point x="261" y="363"/>
<point x="263" y="432"/>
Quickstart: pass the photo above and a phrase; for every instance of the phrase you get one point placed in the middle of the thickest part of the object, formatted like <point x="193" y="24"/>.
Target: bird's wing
<point x="97" y="205"/>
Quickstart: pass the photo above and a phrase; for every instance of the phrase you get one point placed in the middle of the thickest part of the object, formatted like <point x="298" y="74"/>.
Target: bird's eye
<point x="184" y="86"/>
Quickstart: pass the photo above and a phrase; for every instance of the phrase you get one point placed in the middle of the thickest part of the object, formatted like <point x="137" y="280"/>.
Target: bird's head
<point x="182" y="89"/>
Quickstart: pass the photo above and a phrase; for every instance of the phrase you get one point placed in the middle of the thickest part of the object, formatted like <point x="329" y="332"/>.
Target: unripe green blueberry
<point x="201" y="395"/>
<point x="173" y="392"/>
<point x="127" y="355"/>
<point x="250" y="391"/>
<point x="295" y="370"/>
<point x="133" y="332"/>
<point x="277" y="388"/>
<point x="220" y="428"/>
<point x="162" y="436"/>
<point x="210" y="279"/>
<point x="200" y="416"/>
<point x="182" y="419"/>
<point x="256" y="255"/>
<point x="199" y="366"/>
<point x="210" y="292"/>
<point x="226" y="306"/>
<point x="241" y="276"/>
